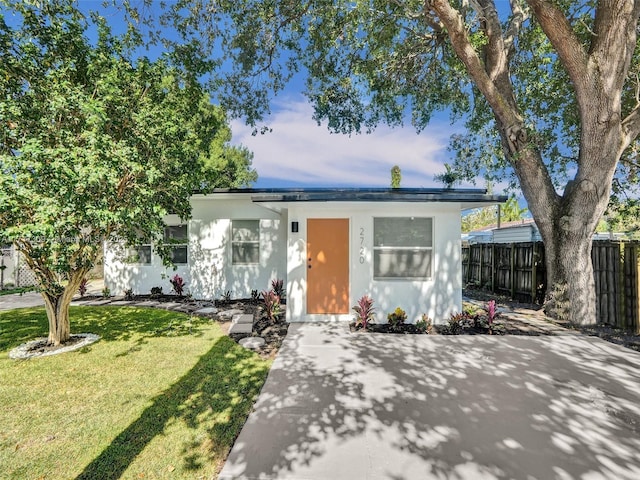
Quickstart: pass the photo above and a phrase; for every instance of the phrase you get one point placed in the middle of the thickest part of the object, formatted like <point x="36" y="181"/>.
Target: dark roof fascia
<point x="458" y="195"/>
<point x="406" y="195"/>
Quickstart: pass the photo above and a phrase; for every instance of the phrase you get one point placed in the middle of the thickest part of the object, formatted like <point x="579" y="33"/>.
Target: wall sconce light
<point x="294" y="227"/>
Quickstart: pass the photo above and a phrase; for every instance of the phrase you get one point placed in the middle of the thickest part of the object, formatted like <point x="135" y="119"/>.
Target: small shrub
<point x="255" y="296"/>
<point x="82" y="289"/>
<point x="177" y="283"/>
<point x="156" y="291"/>
<point x="128" y="294"/>
<point x="226" y="296"/>
<point x="492" y="314"/>
<point x="425" y="324"/>
<point x="397" y="317"/>
<point x="277" y="285"/>
<point x="106" y="293"/>
<point x="271" y="304"/>
<point x="365" y="311"/>
<point x="459" y="322"/>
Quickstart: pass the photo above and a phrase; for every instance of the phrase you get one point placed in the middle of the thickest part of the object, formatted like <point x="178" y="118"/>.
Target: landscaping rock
<point x="252" y="343"/>
<point x="39" y="347"/>
<point x="228" y="314"/>
<point x="246" y="318"/>
<point x="241" y="328"/>
<point x="169" y="305"/>
<point x="147" y="303"/>
<point x="207" y="311"/>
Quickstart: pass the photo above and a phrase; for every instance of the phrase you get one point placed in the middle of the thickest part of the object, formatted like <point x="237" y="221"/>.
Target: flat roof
<point x="451" y="195"/>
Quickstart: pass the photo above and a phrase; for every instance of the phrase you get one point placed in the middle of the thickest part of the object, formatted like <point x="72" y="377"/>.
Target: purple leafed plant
<point x="178" y="284"/>
<point x="82" y="289"/>
<point x="364" y="311"/>
<point x="492" y="314"/>
<point x="271" y="304"/>
<point x="277" y="285"/>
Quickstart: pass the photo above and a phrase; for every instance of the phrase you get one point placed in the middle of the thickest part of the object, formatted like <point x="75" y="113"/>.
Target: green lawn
<point x="161" y="395"/>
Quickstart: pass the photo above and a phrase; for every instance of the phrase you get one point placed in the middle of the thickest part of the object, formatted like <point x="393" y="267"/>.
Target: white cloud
<point x="298" y="151"/>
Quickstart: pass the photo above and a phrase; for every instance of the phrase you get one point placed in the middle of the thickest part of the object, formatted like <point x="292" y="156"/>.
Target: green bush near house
<point x="161" y="395"/>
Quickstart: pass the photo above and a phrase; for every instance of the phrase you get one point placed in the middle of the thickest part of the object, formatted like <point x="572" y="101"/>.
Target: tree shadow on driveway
<point x="339" y="405"/>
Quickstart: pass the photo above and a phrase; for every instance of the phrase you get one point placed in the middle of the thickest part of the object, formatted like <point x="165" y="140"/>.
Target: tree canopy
<point x="95" y="145"/>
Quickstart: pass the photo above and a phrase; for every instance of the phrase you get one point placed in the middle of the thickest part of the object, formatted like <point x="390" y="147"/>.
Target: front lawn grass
<point x="161" y="395"/>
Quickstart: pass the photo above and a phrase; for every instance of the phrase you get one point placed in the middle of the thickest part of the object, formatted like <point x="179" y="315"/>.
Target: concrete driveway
<point x="27" y="299"/>
<point x="371" y="406"/>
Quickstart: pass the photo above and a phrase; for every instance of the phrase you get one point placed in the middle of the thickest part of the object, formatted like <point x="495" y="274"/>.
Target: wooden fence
<point x="518" y="271"/>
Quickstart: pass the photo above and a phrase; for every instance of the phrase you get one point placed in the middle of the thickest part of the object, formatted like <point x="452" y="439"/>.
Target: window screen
<point x="139" y="254"/>
<point x="245" y="241"/>
<point x="402" y="247"/>
<point x="176" y="237"/>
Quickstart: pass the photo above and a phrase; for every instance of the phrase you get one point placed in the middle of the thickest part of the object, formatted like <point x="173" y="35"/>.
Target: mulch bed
<point x="608" y="333"/>
<point x="272" y="332"/>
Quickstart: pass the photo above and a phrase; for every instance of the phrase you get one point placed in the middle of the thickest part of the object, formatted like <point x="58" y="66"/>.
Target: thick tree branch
<point x="614" y="31"/>
<point x="630" y="128"/>
<point x="464" y="50"/>
<point x="518" y="16"/>
<point x="557" y="28"/>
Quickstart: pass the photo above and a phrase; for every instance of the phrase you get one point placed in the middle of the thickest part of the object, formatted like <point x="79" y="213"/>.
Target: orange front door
<point x="328" y="265"/>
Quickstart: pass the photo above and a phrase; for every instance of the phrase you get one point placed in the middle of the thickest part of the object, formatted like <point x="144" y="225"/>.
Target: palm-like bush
<point x="364" y="311"/>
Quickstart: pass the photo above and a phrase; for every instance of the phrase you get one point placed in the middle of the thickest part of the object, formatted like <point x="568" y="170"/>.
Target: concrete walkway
<point x="372" y="406"/>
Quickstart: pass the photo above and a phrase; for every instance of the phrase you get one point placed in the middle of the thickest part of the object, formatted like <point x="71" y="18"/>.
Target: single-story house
<point x="330" y="246"/>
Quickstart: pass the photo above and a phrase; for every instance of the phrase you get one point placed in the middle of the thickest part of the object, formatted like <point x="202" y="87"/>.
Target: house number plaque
<point x="361" y="245"/>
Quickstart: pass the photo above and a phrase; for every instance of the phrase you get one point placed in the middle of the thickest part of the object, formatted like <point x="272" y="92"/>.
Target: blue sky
<point x="298" y="152"/>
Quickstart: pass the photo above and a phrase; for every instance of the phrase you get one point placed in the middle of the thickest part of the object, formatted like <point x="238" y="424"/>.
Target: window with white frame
<point x="175" y="237"/>
<point x="139" y="254"/>
<point x="245" y="242"/>
<point x="402" y="247"/>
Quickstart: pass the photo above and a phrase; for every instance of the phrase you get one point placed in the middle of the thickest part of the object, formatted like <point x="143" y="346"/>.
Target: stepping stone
<point x="241" y="328"/>
<point x="123" y="302"/>
<point x="230" y="313"/>
<point x="252" y="342"/>
<point x="147" y="303"/>
<point x="246" y="318"/>
<point x="98" y="302"/>
<point x="169" y="305"/>
<point x="207" y="311"/>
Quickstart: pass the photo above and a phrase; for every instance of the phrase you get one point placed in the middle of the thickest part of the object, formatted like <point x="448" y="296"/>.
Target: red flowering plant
<point x="364" y="311"/>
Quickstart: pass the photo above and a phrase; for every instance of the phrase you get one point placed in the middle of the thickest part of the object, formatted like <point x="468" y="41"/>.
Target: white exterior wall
<point x="9" y="260"/>
<point x="438" y="297"/>
<point x="209" y="272"/>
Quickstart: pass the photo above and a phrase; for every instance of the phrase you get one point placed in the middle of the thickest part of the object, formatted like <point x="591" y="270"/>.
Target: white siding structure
<point x="401" y="247"/>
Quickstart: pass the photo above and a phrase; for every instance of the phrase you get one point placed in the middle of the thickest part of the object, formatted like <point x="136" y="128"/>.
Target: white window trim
<point x="392" y="248"/>
<point x="137" y="263"/>
<point x="176" y="245"/>
<point x="232" y="242"/>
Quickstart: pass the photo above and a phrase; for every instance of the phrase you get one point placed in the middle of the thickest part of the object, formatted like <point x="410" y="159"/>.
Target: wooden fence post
<point x="493" y="268"/>
<point x="480" y="267"/>
<point x="534" y="279"/>
<point x="512" y="275"/>
<point x="636" y="304"/>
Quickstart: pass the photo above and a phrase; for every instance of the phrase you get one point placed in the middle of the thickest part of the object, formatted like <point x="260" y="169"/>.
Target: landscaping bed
<point x="272" y="330"/>
<point x="608" y="333"/>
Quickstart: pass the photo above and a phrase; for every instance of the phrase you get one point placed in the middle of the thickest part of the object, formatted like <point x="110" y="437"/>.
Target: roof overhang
<point x="467" y="198"/>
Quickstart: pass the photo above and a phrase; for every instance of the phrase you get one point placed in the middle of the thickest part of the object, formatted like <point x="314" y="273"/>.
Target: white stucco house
<point x="330" y="246"/>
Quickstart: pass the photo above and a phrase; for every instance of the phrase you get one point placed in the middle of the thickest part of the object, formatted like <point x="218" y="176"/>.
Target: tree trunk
<point x="57" y="307"/>
<point x="58" y="315"/>
<point x="570" y="283"/>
